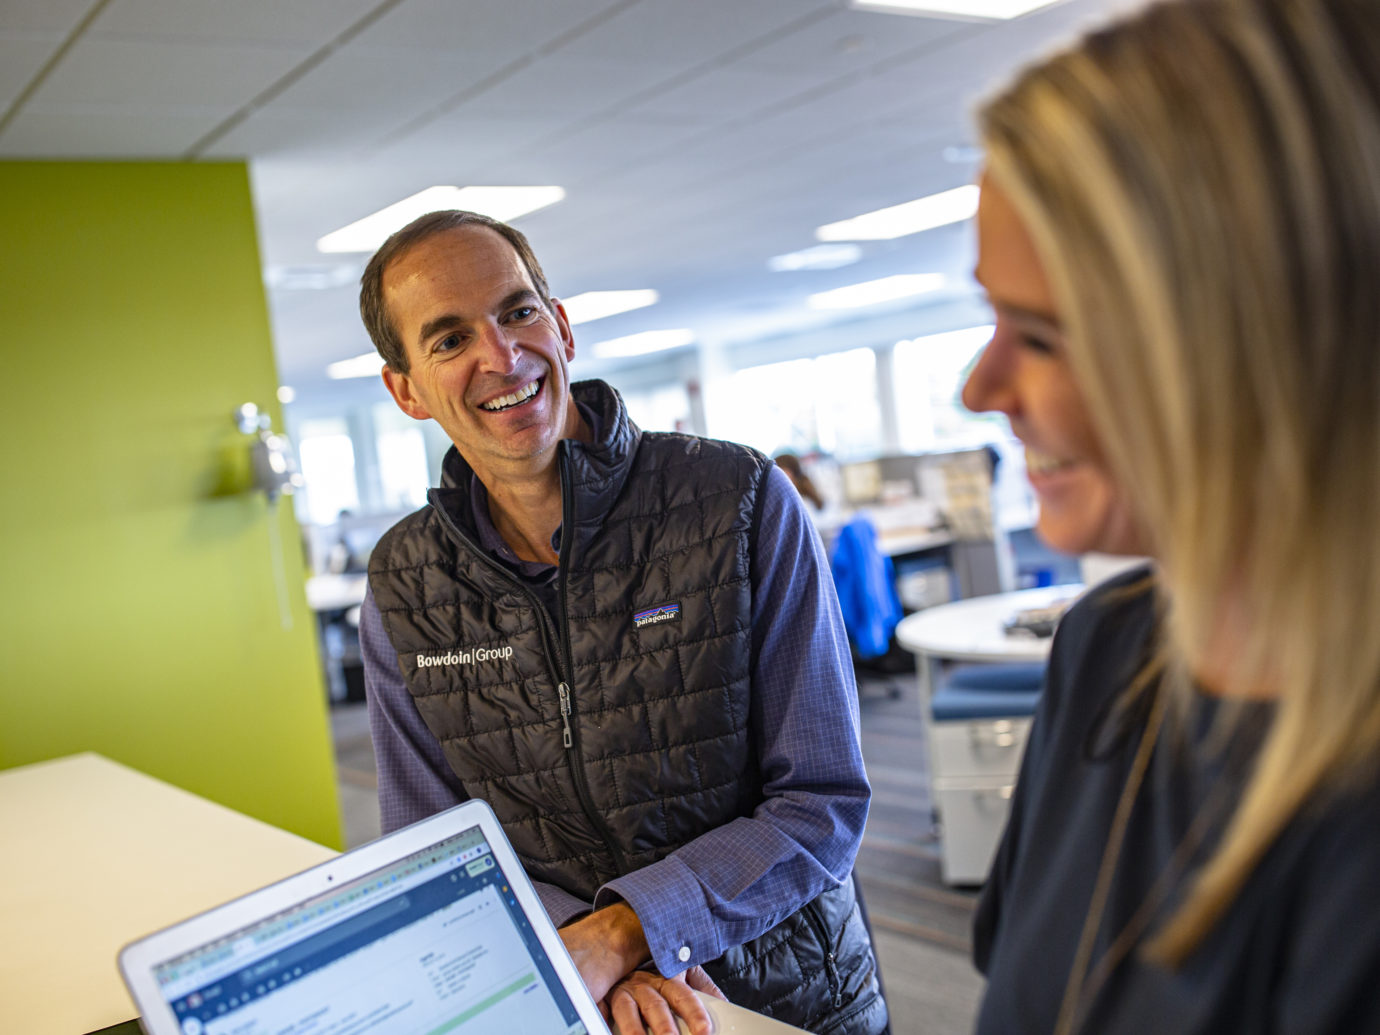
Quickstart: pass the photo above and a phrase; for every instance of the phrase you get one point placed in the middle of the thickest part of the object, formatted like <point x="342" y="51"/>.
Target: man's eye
<point x="449" y="343"/>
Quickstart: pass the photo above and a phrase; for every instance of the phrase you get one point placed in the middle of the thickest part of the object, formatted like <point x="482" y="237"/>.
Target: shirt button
<point x="684" y="954"/>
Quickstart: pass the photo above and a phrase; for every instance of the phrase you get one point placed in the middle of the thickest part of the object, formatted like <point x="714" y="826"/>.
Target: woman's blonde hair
<point x="1202" y="183"/>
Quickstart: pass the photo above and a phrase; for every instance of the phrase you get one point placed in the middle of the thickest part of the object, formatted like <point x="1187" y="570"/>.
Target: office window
<point x="327" y="457"/>
<point x="665" y="408"/>
<point x="827" y="404"/>
<point x="930" y="372"/>
<point x="402" y="467"/>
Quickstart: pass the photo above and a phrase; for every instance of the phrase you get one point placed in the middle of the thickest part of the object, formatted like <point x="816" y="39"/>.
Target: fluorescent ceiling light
<point x="873" y="292"/>
<point x="311" y="278"/>
<point x="367" y="365"/>
<point x="950" y="206"/>
<point x="820" y="257"/>
<point x="502" y="203"/>
<point x="642" y="344"/>
<point x="595" y="305"/>
<point x="975" y="9"/>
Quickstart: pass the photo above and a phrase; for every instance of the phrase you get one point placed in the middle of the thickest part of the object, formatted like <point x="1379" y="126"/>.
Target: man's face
<point x="489" y="360"/>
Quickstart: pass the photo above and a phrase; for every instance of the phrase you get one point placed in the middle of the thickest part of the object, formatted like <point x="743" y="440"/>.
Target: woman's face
<point x="1024" y="373"/>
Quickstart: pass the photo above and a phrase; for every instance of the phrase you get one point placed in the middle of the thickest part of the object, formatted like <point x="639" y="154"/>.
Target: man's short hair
<point x="371" y="305"/>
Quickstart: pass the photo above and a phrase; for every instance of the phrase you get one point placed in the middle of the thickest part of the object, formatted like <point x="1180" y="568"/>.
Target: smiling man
<point x="627" y="643"/>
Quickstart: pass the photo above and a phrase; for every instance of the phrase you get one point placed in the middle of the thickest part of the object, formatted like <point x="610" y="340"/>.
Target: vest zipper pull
<point x="564" y="691"/>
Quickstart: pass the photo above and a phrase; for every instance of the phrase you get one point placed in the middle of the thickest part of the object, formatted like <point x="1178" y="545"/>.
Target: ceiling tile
<point x="96" y="131"/>
<point x="396" y="79"/>
<point x="42" y="15"/>
<point x="680" y="34"/>
<point x="146" y="74"/>
<point x="22" y="56"/>
<point x="304" y="22"/>
<point x="510" y="27"/>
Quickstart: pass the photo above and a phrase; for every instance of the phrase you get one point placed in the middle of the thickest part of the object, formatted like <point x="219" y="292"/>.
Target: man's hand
<point x="650" y="1000"/>
<point x="606" y="945"/>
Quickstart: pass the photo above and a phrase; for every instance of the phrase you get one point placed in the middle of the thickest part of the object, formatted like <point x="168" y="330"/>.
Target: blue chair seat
<point x="988" y="692"/>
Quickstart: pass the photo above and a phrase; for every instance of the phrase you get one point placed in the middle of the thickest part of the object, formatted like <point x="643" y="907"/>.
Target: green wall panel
<point x="152" y="609"/>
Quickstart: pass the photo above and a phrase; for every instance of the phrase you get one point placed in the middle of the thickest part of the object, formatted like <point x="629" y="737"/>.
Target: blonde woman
<point x="1180" y="235"/>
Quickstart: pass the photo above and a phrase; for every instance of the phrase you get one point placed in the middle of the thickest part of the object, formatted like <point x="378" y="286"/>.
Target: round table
<point x="972" y="629"/>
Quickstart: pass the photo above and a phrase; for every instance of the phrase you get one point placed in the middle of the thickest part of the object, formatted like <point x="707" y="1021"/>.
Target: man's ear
<point x="563" y="322"/>
<point x="400" y="388"/>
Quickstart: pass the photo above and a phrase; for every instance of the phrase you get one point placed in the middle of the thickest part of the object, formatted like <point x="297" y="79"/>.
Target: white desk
<point x="973" y="763"/>
<point x="97" y="854"/>
<point x="971" y="630"/>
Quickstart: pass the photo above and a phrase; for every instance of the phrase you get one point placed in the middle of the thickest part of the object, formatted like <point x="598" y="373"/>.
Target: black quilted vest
<point x="610" y="734"/>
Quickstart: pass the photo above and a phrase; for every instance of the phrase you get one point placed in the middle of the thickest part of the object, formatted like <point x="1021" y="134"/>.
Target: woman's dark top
<point x="1297" y="951"/>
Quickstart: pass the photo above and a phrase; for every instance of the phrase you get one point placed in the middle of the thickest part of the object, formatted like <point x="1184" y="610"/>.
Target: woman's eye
<point x="1037" y="344"/>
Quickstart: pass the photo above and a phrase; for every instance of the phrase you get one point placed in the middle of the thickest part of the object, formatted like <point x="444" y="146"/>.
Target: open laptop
<point x="433" y="929"/>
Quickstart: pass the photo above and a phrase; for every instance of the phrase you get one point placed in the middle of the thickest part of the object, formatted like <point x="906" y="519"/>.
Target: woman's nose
<point x="989" y="384"/>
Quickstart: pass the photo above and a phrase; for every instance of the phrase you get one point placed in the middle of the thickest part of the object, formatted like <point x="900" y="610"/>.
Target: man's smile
<point x="507" y="402"/>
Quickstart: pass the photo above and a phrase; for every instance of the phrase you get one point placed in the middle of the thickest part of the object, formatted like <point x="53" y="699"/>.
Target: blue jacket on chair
<point x="866" y="587"/>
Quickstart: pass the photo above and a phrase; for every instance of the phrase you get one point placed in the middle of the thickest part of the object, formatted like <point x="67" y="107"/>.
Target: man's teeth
<point x="521" y="395"/>
<point x="1043" y="463"/>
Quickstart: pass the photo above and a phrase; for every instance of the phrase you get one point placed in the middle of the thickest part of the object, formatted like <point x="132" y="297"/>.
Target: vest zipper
<point x="572" y="743"/>
<point x="557" y="650"/>
<point x="831" y="967"/>
<point x="564" y="691"/>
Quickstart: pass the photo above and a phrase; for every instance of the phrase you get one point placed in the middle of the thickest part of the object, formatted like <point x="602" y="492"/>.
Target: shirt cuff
<point x="560" y="905"/>
<point x="669" y="901"/>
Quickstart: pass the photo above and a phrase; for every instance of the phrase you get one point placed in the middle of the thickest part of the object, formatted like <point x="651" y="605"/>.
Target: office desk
<point x="971" y="630"/>
<point x="974" y="762"/>
<point x="97" y="854"/>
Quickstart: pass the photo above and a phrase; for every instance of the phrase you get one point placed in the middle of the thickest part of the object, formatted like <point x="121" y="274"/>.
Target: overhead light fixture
<point x="642" y="344"/>
<point x="367" y="365"/>
<point x="950" y="206"/>
<point x="311" y="278"/>
<point x="978" y="10"/>
<point x="286" y="394"/>
<point x="595" y="305"/>
<point x="874" y="292"/>
<point x="501" y="203"/>
<point x="820" y="257"/>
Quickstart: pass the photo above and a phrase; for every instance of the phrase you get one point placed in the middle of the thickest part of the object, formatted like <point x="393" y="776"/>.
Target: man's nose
<point x="499" y="351"/>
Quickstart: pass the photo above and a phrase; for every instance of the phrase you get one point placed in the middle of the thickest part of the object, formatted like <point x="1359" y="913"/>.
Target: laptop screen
<point x="436" y="942"/>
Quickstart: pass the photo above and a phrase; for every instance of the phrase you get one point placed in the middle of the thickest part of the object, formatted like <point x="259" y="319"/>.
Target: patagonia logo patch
<point x="653" y="615"/>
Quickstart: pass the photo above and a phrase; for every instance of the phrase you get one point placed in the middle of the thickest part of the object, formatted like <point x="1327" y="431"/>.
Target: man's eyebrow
<point x="449" y="321"/>
<point x="444" y="322"/>
<point x="520" y="295"/>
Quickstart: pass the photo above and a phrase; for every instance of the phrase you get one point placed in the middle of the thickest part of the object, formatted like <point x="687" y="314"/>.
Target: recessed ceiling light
<point x="503" y="203"/>
<point x="820" y="257"/>
<point x="983" y="10"/>
<point x="950" y="206"/>
<point x="643" y="343"/>
<point x="286" y="394"/>
<point x="874" y="292"/>
<point x="595" y="305"/>
<point x="367" y="365"/>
